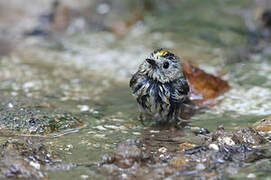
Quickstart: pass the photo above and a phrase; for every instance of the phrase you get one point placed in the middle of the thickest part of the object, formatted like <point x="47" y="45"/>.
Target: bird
<point x="160" y="87"/>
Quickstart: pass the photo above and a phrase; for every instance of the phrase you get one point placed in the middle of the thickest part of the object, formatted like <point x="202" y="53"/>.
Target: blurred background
<point x="170" y="24"/>
<point x="107" y="35"/>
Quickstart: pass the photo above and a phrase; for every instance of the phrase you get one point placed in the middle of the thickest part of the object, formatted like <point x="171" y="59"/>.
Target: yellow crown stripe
<point x="162" y="53"/>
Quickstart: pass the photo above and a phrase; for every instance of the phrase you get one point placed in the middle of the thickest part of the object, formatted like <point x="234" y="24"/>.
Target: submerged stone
<point x="24" y="159"/>
<point x="263" y="125"/>
<point x="26" y="117"/>
<point x="246" y="136"/>
<point x="127" y="154"/>
<point x="163" y="156"/>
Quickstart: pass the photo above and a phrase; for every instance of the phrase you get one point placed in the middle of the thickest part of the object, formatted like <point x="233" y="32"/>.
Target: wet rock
<point x="241" y="136"/>
<point x="213" y="146"/>
<point x="263" y="125"/>
<point x="251" y="175"/>
<point x="235" y="153"/>
<point x="226" y="147"/>
<point x="127" y="154"/>
<point x="248" y="136"/>
<point x="224" y="156"/>
<point x="130" y="160"/>
<point x="24" y="160"/>
<point x="24" y="116"/>
<point x="203" y="159"/>
<point x="197" y="149"/>
<point x="213" y="156"/>
<point x="200" y="166"/>
<point x="199" y="131"/>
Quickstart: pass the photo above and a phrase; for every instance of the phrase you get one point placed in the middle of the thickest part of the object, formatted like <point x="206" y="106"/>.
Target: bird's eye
<point x="165" y="65"/>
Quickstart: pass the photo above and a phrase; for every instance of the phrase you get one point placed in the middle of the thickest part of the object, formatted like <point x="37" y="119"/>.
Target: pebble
<point x="162" y="150"/>
<point x="10" y="105"/>
<point x="114" y="127"/>
<point x="34" y="164"/>
<point x="91" y="132"/>
<point x="162" y="156"/>
<point x="117" y="119"/>
<point x="124" y="176"/>
<point x="99" y="135"/>
<point x="84" y="176"/>
<point x="226" y="140"/>
<point x="154" y="131"/>
<point x="251" y="175"/>
<point x="214" y="147"/>
<point x="83" y="108"/>
<point x="14" y="93"/>
<point x="136" y="133"/>
<point x="101" y="128"/>
<point x="200" y="166"/>
<point x="69" y="146"/>
<point x="93" y="111"/>
<point x="29" y="85"/>
<point x="111" y="126"/>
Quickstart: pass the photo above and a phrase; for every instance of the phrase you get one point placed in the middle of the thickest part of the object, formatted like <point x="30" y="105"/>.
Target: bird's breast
<point x="153" y="96"/>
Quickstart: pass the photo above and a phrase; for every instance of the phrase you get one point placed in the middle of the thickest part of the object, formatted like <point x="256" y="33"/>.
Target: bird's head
<point x="162" y="66"/>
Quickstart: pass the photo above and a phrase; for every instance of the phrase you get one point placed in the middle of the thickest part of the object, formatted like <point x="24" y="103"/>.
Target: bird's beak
<point x="151" y="62"/>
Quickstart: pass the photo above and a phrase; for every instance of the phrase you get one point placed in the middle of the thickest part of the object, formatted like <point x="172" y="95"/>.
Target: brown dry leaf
<point x="205" y="88"/>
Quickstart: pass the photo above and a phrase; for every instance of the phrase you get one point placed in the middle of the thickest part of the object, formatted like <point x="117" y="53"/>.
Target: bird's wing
<point x="139" y="84"/>
<point x="180" y="90"/>
<point x="183" y="86"/>
<point x="133" y="80"/>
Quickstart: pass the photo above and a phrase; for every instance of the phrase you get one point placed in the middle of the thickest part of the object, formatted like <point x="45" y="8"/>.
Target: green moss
<point x="26" y="117"/>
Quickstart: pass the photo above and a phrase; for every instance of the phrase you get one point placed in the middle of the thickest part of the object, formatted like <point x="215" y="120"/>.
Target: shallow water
<point x="88" y="74"/>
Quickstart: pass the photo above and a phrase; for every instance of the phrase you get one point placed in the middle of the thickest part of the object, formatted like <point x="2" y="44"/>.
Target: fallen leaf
<point x="205" y="87"/>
